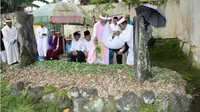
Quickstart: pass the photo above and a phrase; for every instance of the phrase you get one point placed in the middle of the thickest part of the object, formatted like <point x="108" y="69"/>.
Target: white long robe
<point x="10" y="34"/>
<point x="116" y="43"/>
<point x="42" y="41"/>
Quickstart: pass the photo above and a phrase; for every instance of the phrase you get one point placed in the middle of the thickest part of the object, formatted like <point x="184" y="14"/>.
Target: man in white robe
<point x="10" y="42"/>
<point x="102" y="30"/>
<point x="42" y="40"/>
<point x="126" y="35"/>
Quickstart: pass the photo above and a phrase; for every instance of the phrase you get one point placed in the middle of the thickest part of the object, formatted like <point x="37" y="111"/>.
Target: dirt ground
<point x="111" y="84"/>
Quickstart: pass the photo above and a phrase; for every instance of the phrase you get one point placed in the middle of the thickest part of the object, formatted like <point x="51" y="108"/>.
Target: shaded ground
<point x="169" y="55"/>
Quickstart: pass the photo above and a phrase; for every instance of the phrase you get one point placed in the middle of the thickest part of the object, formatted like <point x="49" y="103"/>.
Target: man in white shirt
<point x="115" y="27"/>
<point x="42" y="40"/>
<point x="120" y="38"/>
<point x="10" y="41"/>
<point x="90" y="52"/>
<point x="126" y="35"/>
<point x="77" y="48"/>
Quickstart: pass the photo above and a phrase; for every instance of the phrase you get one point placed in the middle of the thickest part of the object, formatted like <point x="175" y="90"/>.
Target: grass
<point x="167" y="55"/>
<point x="73" y="68"/>
<point x="21" y="104"/>
<point x="149" y="108"/>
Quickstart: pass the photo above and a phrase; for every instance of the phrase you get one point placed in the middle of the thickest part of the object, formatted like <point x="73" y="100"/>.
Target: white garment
<point x="89" y="45"/>
<point x="115" y="27"/>
<point x="10" y="35"/>
<point x="78" y="45"/>
<point x="42" y="41"/>
<point x="127" y="36"/>
<point x="53" y="38"/>
<point x="112" y="43"/>
<point x="119" y="41"/>
<point x="3" y="57"/>
<point x="57" y="43"/>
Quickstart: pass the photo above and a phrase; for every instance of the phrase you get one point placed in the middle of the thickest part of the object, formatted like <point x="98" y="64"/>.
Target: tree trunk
<point x="27" y="42"/>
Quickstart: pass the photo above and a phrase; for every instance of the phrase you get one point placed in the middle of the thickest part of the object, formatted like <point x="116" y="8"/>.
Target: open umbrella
<point x="152" y="15"/>
<point x="62" y="13"/>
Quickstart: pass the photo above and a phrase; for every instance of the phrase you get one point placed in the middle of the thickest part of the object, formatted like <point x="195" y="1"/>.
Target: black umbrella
<point x="152" y="14"/>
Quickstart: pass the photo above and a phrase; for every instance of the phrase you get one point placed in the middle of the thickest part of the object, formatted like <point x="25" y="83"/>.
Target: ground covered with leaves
<point x="170" y="55"/>
<point x="112" y="80"/>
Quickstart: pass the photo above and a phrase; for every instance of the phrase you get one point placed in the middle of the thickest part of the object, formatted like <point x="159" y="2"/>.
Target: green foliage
<point x="12" y="5"/>
<point x="98" y="49"/>
<point x="149" y="108"/>
<point x="131" y="1"/>
<point x="21" y="104"/>
<point x="169" y="55"/>
<point x="164" y="74"/>
<point x="168" y="50"/>
<point x="109" y="6"/>
<point x="54" y="1"/>
<point x="72" y="68"/>
<point x="50" y="89"/>
<point x="96" y="2"/>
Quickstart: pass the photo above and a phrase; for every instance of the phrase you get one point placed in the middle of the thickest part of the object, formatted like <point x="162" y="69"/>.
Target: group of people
<point x="107" y="37"/>
<point x="116" y="37"/>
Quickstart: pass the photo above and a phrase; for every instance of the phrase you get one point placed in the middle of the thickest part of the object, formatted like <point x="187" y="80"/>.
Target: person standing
<point x="42" y="40"/>
<point x="10" y="40"/>
<point x="120" y="52"/>
<point x="126" y="35"/>
<point x="115" y="27"/>
<point x="128" y="20"/>
<point x="2" y="49"/>
<point x="102" y="29"/>
<point x="120" y="38"/>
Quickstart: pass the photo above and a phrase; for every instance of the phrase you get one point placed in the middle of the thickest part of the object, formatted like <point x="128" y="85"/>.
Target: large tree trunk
<point x="28" y="46"/>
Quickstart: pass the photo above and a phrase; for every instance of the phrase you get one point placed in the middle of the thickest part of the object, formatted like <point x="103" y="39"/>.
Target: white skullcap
<point x="104" y="18"/>
<point x="121" y="20"/>
<point x="8" y="20"/>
